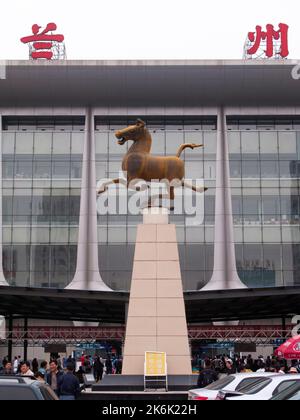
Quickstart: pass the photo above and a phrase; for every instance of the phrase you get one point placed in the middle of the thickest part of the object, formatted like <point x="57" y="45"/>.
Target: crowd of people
<point x="64" y="376"/>
<point x="99" y="367"/>
<point x="210" y="369"/>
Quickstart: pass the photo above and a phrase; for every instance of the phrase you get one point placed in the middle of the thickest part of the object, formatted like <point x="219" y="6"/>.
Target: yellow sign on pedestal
<point x="155" y="364"/>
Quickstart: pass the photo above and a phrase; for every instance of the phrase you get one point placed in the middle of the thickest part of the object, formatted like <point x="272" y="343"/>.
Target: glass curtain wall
<point x="265" y="174"/>
<point x="42" y="161"/>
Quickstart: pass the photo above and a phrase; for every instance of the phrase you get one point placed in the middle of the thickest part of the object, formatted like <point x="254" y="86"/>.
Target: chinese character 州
<point x="270" y="35"/>
<point x="42" y="42"/>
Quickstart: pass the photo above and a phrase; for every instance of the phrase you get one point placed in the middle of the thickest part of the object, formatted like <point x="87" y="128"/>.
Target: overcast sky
<point x="147" y="29"/>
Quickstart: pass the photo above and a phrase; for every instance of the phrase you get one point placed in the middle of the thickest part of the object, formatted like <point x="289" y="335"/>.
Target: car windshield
<point x="256" y="387"/>
<point x="221" y="383"/>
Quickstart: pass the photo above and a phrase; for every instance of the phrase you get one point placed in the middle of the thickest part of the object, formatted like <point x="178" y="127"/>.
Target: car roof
<point x="12" y="378"/>
<point x="13" y="381"/>
<point x="295" y="376"/>
<point x="253" y="374"/>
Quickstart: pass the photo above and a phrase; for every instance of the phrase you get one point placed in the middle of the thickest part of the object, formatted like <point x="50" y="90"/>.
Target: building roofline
<point x="202" y="63"/>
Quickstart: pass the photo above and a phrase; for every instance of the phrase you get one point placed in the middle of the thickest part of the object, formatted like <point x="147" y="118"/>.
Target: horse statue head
<point x="133" y="132"/>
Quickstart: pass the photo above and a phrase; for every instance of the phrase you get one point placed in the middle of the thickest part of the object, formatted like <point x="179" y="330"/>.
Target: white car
<point x="233" y="382"/>
<point x="292" y="393"/>
<point x="265" y="389"/>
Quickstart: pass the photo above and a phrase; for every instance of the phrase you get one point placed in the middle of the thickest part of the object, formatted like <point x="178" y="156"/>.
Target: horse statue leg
<point x="192" y="187"/>
<point x="104" y="187"/>
<point x="169" y="196"/>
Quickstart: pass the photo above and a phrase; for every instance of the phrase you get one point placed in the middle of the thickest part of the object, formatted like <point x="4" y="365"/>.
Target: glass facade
<point x="264" y="166"/>
<point x="41" y="182"/>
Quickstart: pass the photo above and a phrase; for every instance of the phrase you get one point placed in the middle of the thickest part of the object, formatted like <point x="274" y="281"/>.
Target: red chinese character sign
<point x="44" y="44"/>
<point x="267" y="44"/>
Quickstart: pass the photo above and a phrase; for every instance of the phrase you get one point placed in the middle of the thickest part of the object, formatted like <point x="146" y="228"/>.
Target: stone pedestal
<point x="156" y="315"/>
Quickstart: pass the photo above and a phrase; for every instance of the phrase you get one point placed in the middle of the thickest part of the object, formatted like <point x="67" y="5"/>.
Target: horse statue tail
<point x="187" y="146"/>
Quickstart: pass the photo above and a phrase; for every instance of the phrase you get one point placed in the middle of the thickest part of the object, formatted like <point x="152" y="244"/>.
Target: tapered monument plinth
<point x="156" y="316"/>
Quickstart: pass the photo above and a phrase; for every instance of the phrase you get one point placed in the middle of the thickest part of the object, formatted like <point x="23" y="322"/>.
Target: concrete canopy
<point x="149" y="83"/>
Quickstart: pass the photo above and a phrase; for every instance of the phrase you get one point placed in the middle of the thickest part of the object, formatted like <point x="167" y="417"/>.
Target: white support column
<point x="225" y="274"/>
<point x="3" y="281"/>
<point x="87" y="276"/>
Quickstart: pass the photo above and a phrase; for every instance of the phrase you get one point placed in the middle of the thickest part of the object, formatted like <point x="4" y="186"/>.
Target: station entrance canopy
<point x="110" y="307"/>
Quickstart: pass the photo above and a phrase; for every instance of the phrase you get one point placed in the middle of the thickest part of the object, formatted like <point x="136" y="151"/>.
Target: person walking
<point x="40" y="377"/>
<point x="82" y="359"/>
<point x="70" y="360"/>
<point x="119" y="364"/>
<point x="4" y="361"/>
<point x="80" y="375"/>
<point x="230" y="369"/>
<point x="69" y="385"/>
<point x="35" y="365"/>
<point x="108" y="365"/>
<point x="98" y="369"/>
<point x="53" y="378"/>
<point x="207" y="376"/>
<point x="25" y="369"/>
<point x="16" y="365"/>
<point x="8" y="369"/>
<point x="43" y="368"/>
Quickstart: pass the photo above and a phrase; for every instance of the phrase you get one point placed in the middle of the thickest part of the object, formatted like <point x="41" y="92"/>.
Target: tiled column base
<point x="156" y="316"/>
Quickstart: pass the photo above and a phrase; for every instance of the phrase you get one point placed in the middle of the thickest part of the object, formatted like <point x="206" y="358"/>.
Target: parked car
<point x="16" y="389"/>
<point x="291" y="393"/>
<point x="263" y="389"/>
<point x="10" y="379"/>
<point x="230" y="383"/>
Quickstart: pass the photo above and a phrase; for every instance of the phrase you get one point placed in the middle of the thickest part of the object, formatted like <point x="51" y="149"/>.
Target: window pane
<point x="268" y="142"/>
<point x="287" y="142"/>
<point x="76" y="170"/>
<point x="235" y="169"/>
<point x="234" y="142"/>
<point x="42" y="143"/>
<point x="8" y="169"/>
<point x="174" y="140"/>
<point x="42" y="169"/>
<point x="270" y="169"/>
<point x="59" y="259"/>
<point x="24" y="143"/>
<point x="23" y="168"/>
<point x="250" y="169"/>
<point x="77" y="143"/>
<point x="158" y="142"/>
<point x="22" y="205"/>
<point x="61" y="170"/>
<point x="59" y="235"/>
<point x="194" y="170"/>
<point x="62" y="143"/>
<point x="8" y="143"/>
<point x="101" y="143"/>
<point x="210" y="143"/>
<point x="40" y="258"/>
<point x="250" y="143"/>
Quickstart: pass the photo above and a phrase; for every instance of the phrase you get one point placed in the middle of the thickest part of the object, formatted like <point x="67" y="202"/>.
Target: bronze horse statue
<point x="141" y="165"/>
